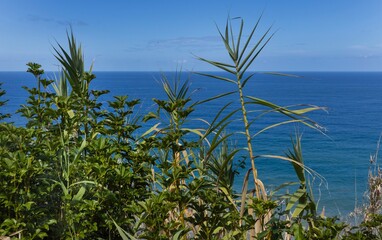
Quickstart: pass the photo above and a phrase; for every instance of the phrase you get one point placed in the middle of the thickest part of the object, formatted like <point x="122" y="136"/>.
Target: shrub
<point x="81" y="170"/>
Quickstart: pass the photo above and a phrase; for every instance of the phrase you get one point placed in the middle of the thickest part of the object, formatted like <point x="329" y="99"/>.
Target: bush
<point x="81" y="170"/>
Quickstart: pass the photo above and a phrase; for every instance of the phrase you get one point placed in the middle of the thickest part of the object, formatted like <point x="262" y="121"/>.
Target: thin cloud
<point x="185" y="42"/>
<point x="377" y="47"/>
<point x="35" y="18"/>
<point x="372" y="56"/>
<point x="180" y="43"/>
<point x="359" y="47"/>
<point x="366" y="51"/>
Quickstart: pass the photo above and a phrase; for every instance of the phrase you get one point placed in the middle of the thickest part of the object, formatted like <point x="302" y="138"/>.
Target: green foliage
<point x="252" y="109"/>
<point x="74" y="165"/>
<point x="302" y="199"/>
<point x="369" y="229"/>
<point x="241" y="58"/>
<point x="84" y="169"/>
<point x="2" y="103"/>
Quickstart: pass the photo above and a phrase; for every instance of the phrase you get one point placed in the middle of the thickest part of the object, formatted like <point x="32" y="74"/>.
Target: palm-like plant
<point x="61" y="86"/>
<point x="242" y="54"/>
<point x="73" y="67"/>
<point x="74" y="81"/>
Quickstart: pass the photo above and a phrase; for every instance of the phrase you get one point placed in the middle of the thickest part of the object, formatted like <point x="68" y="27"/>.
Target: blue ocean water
<point x="353" y="122"/>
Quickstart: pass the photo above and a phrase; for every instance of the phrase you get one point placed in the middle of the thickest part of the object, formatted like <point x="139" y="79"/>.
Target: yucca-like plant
<point x="73" y="66"/>
<point x="74" y="82"/>
<point x="61" y="86"/>
<point x="193" y="173"/>
<point x="242" y="54"/>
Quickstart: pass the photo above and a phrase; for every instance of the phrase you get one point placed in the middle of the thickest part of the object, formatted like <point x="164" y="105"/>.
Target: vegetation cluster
<point x="84" y="169"/>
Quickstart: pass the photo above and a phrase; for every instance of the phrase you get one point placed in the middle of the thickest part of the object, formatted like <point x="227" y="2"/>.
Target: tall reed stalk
<point x="238" y="68"/>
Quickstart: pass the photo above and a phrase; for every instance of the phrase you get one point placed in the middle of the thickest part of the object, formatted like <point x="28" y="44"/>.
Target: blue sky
<point x="312" y="35"/>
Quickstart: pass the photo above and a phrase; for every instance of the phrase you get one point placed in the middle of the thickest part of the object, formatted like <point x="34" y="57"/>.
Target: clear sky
<point x="143" y="35"/>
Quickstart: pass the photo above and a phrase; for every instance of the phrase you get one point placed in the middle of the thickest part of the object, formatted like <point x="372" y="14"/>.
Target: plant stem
<point x="247" y="134"/>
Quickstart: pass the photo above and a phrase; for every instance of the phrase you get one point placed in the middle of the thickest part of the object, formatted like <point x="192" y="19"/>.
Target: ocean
<point x="353" y="122"/>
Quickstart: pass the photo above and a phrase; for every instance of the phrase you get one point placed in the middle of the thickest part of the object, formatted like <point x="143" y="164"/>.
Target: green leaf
<point x="63" y="187"/>
<point x="282" y="74"/>
<point x="70" y="113"/>
<point x="79" y="195"/>
<point x="215" y="97"/>
<point x="248" y="39"/>
<point x="217" y="230"/>
<point x="244" y="191"/>
<point x="28" y="205"/>
<point x="152" y="129"/>
<point x="245" y="64"/>
<point x="305" y="110"/>
<point x="295" y="198"/>
<point x="299" y="208"/>
<point x="83" y="182"/>
<point x="195" y="131"/>
<point x="229" y="196"/>
<point x="178" y="235"/>
<point x="220" y="65"/>
<point x="285" y="184"/>
<point x="276" y="125"/>
<point x="217" y="77"/>
<point x="124" y="235"/>
<point x="239" y="39"/>
<point x="225" y="40"/>
<point x="298" y="163"/>
<point x="246" y="80"/>
<point x="298" y="231"/>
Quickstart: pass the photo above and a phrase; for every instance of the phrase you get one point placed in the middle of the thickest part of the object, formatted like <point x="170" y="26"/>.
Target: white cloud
<point x="180" y="43"/>
<point x="72" y="22"/>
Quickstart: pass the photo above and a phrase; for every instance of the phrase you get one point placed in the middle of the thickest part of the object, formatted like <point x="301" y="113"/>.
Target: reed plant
<point x="242" y="54"/>
<point x="375" y="185"/>
<point x="85" y="169"/>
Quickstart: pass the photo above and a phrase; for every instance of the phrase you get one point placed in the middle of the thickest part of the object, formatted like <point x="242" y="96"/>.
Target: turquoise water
<point x="353" y="122"/>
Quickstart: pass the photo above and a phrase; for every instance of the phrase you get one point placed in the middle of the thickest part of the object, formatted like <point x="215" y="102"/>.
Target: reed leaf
<point x="243" y="65"/>
<point x="215" y="124"/>
<point x="244" y="82"/>
<point x="244" y="191"/>
<point x="222" y="66"/>
<point x="248" y="39"/>
<point x="238" y="39"/>
<point x="308" y="170"/>
<point x="124" y="235"/>
<point x="276" y="125"/>
<point x="215" y="97"/>
<point x="283" y="110"/>
<point x="217" y="77"/>
<point x="229" y="197"/>
<point x="226" y="39"/>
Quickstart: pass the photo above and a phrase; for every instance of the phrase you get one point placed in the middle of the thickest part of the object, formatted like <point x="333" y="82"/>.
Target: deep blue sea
<point x="353" y="122"/>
